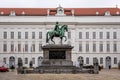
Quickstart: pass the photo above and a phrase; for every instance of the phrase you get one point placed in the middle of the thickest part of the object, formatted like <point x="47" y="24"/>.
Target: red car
<point x="3" y="69"/>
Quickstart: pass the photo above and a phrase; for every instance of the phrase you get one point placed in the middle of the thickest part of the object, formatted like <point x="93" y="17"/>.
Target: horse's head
<point x="65" y="27"/>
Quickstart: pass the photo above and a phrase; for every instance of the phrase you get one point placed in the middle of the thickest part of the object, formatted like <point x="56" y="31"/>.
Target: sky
<point x="56" y="3"/>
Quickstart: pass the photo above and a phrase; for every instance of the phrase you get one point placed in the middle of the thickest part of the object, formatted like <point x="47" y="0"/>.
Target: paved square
<point x="105" y="74"/>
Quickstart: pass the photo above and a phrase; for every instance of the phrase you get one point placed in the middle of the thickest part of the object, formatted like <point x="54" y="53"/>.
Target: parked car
<point x="3" y="69"/>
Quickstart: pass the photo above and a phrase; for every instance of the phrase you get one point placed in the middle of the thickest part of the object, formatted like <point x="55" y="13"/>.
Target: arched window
<point x="97" y="13"/>
<point x="23" y="13"/>
<point x="117" y="13"/>
<point x="107" y="13"/>
<point x="2" y="13"/>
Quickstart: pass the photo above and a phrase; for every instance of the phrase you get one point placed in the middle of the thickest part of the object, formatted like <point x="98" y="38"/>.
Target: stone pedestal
<point x="57" y="55"/>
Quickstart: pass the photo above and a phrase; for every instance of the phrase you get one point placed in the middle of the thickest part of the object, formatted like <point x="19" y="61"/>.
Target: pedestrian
<point x="12" y="68"/>
<point x="109" y="66"/>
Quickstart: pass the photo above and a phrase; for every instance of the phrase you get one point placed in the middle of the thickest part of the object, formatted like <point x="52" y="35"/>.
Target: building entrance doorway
<point x="40" y="59"/>
<point x="11" y="61"/>
<point x="81" y="61"/>
<point x="108" y="62"/>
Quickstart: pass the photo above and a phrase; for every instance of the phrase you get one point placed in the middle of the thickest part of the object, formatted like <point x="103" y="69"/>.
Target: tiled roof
<point x="53" y="11"/>
<point x="27" y="11"/>
<point x="92" y="11"/>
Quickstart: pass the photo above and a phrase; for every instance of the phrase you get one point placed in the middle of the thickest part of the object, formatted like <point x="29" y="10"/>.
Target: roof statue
<point x="60" y="11"/>
<point x="57" y="32"/>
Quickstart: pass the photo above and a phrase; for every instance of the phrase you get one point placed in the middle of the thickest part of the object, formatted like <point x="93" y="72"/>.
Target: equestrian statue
<point x="57" y="32"/>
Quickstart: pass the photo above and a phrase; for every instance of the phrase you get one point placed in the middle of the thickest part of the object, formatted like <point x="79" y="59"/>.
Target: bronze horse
<point x="51" y="34"/>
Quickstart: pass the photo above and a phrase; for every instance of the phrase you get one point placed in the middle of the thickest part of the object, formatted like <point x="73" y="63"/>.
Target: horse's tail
<point x="47" y="37"/>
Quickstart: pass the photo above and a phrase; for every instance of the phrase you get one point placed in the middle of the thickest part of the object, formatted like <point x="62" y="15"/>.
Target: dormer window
<point x="12" y="13"/>
<point x="117" y="13"/>
<point x="107" y="13"/>
<point x="97" y="13"/>
<point x="1" y="13"/>
<point x="23" y="13"/>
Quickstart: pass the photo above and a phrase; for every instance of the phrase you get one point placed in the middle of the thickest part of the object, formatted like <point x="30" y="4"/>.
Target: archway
<point x="108" y="62"/>
<point x="81" y="61"/>
<point x="40" y="59"/>
<point x="11" y="61"/>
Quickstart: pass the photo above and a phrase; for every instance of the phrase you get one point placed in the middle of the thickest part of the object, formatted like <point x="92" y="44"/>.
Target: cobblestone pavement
<point x="105" y="74"/>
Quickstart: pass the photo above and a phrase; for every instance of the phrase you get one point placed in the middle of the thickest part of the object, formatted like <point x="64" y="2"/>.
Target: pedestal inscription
<point x="57" y="55"/>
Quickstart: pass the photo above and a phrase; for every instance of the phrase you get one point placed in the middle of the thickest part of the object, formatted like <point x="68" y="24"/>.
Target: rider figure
<point x="57" y="29"/>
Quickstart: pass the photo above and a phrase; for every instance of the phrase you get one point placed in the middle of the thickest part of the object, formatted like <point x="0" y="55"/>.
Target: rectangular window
<point x="26" y="35"/>
<point x="114" y="35"/>
<point x="80" y="35"/>
<point x="5" y="35"/>
<point x="94" y="59"/>
<point x="108" y="47"/>
<point x="101" y="47"/>
<point x="19" y="47"/>
<point x="101" y="35"/>
<point x="40" y="47"/>
<point x="69" y="35"/>
<point x="80" y="47"/>
<point x="33" y="60"/>
<point x="114" y="47"/>
<point x="5" y="47"/>
<point x="26" y="60"/>
<point x="26" y="47"/>
<point x="87" y="35"/>
<point x="94" y="35"/>
<point x="12" y="47"/>
<point x="87" y="60"/>
<point x="12" y="35"/>
<point x="108" y="35"/>
<point x="101" y="60"/>
<point x="33" y="47"/>
<point x="40" y="35"/>
<point x="94" y="47"/>
<point x="87" y="47"/>
<point x="4" y="60"/>
<point x="33" y="35"/>
<point x="115" y="60"/>
<point x="19" y="35"/>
